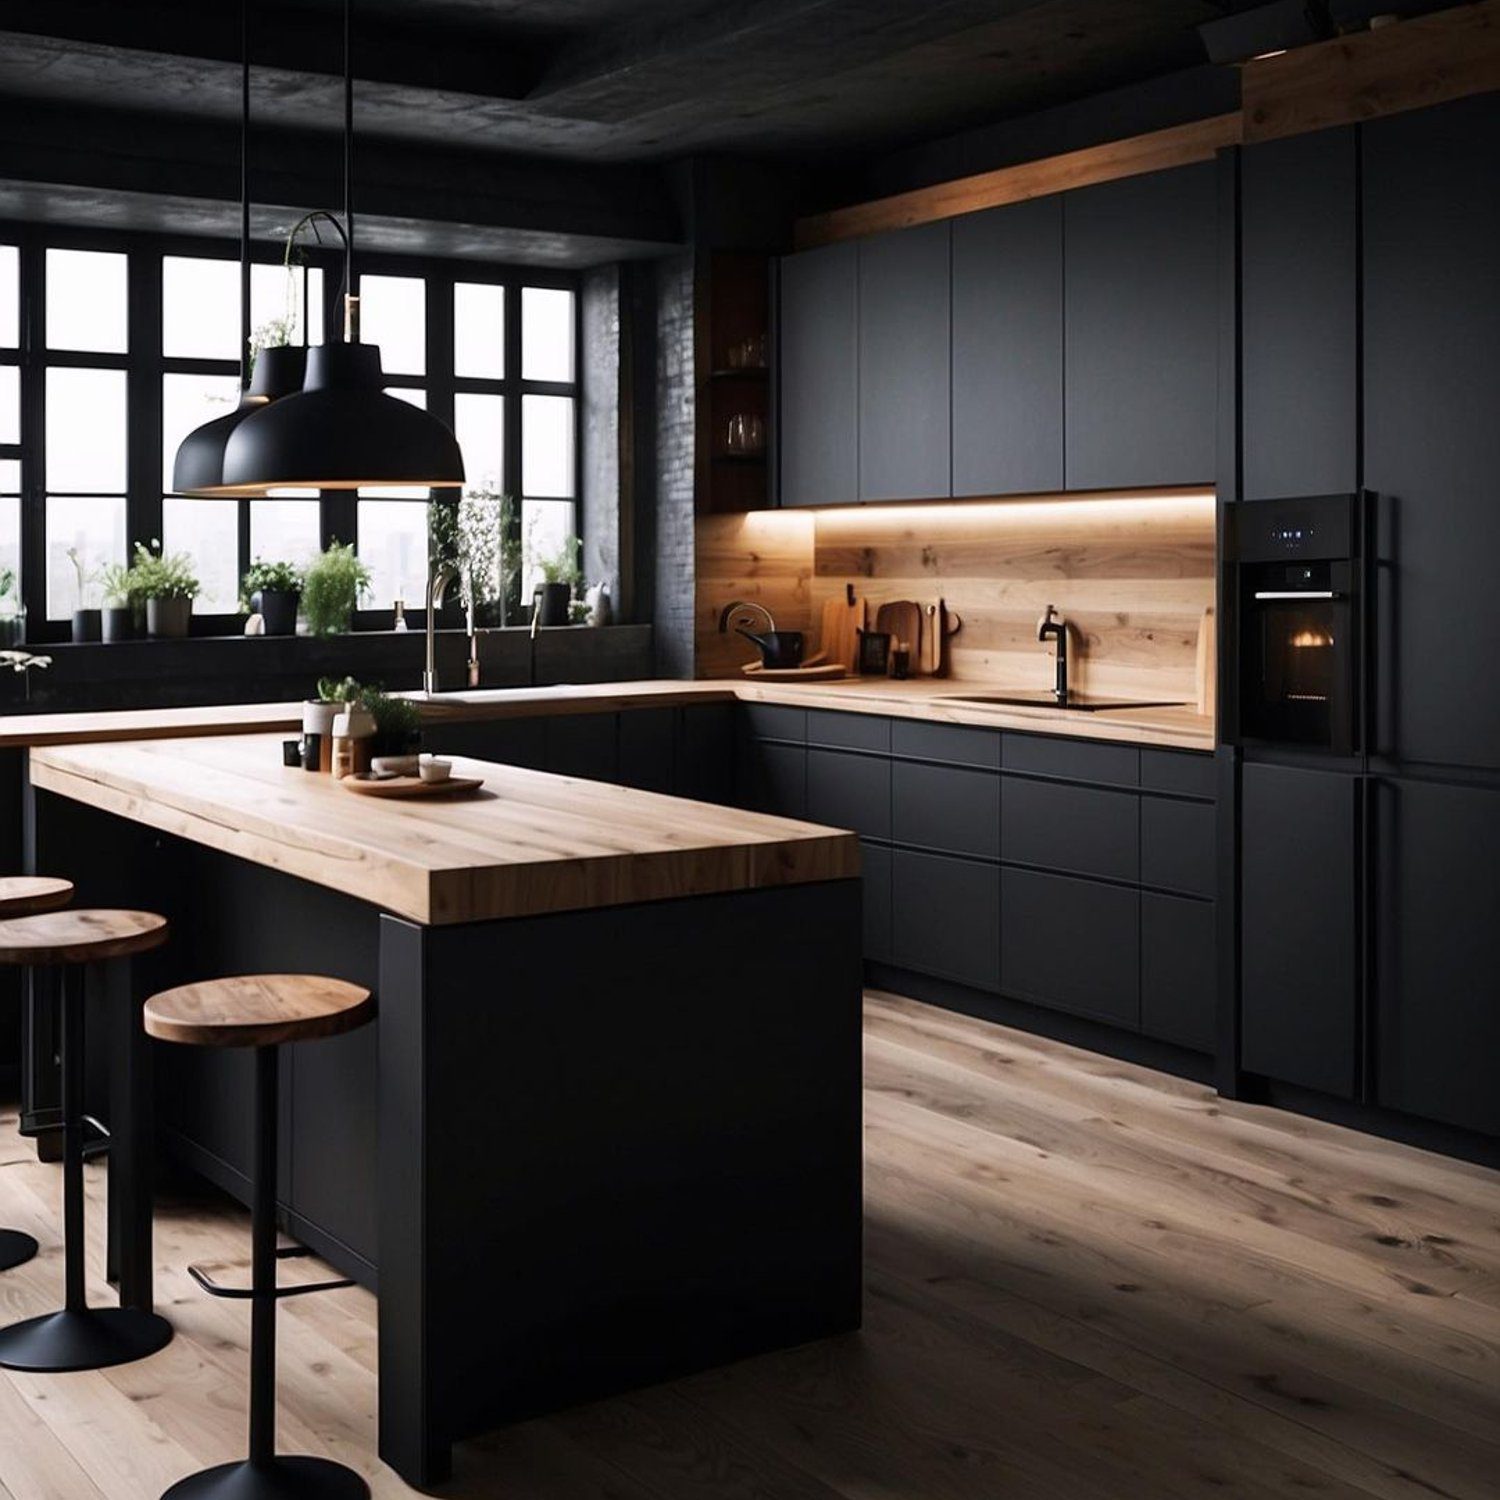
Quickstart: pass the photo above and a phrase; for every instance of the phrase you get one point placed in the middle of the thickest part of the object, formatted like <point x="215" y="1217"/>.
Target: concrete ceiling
<point x="606" y="80"/>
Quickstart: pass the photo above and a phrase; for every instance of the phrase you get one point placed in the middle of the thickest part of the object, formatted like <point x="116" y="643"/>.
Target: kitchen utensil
<point x="778" y="648"/>
<point x="809" y="672"/>
<point x="411" y="786"/>
<point x="843" y="619"/>
<point x="901" y="619"/>
<point x="939" y="625"/>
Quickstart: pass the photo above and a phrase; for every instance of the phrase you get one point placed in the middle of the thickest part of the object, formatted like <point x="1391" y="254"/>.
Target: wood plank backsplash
<point x="1132" y="575"/>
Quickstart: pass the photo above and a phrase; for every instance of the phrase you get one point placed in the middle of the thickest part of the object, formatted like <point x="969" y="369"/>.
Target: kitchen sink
<point x="1079" y="703"/>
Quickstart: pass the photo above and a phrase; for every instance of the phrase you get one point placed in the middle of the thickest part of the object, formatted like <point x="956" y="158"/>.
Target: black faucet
<point x="1052" y="624"/>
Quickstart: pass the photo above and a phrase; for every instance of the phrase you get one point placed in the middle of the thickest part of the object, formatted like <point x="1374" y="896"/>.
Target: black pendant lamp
<point x="198" y="469"/>
<point x="341" y="431"/>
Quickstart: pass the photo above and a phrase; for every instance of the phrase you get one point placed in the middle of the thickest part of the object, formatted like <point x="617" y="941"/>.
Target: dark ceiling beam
<point x="488" y="64"/>
<point x="134" y="152"/>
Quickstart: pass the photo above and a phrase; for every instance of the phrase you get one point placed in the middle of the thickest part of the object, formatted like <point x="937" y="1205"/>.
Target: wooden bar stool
<point x="79" y="1337"/>
<point x="20" y="896"/>
<point x="263" y="1011"/>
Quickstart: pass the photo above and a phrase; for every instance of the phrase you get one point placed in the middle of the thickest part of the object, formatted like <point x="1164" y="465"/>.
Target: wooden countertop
<point x="530" y="843"/>
<point x="1180" y="727"/>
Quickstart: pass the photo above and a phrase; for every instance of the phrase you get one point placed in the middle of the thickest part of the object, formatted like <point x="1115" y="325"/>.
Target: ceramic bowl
<point x="436" y="770"/>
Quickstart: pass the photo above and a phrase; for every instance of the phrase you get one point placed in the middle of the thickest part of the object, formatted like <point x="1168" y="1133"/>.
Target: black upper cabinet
<point x="904" y="366"/>
<point x="1140" y="276"/>
<point x="1432" y="441"/>
<point x="1299" y="333"/>
<point x="1008" y="350"/>
<point x="1299" y="970"/>
<point x="818" y="436"/>
<point x="1437" y="951"/>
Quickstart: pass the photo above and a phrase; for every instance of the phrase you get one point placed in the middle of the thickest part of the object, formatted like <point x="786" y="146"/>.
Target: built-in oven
<point x="1297" y="652"/>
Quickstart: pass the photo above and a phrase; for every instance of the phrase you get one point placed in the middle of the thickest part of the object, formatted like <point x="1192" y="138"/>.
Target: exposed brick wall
<point x="675" y="419"/>
<point x="599" y="471"/>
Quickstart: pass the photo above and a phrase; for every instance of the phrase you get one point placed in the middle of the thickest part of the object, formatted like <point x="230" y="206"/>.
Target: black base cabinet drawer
<point x="875" y="862"/>
<point x="1070" y="944"/>
<point x="771" y="777"/>
<point x="648" y="749"/>
<point x="1179" y="976"/>
<point x="849" y="791"/>
<point x="1078" y="830"/>
<point x="946" y="917"/>
<point x="947" y="808"/>
<point x="1178" y="842"/>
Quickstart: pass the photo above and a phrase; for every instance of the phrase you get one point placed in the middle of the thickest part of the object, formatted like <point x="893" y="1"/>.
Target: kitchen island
<point x="607" y="1129"/>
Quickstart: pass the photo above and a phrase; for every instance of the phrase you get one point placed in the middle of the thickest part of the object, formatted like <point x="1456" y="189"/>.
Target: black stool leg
<point x="264" y="1476"/>
<point x="16" y="1248"/>
<point x="79" y="1337"/>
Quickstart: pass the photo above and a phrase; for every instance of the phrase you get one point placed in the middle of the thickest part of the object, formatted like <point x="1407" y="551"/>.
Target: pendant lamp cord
<point x="244" y="195"/>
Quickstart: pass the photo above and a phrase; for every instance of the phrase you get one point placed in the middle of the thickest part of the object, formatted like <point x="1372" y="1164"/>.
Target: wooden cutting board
<point x="412" y="786"/>
<point x="843" y="619"/>
<point x="939" y="625"/>
<point x="1207" y="667"/>
<point x="808" y="672"/>
<point x="901" y="619"/>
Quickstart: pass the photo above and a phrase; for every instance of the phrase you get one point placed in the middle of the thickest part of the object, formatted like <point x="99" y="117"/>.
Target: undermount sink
<point x="1079" y="703"/>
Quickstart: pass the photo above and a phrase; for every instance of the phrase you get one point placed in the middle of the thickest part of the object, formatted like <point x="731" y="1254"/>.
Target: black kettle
<point x="779" y="649"/>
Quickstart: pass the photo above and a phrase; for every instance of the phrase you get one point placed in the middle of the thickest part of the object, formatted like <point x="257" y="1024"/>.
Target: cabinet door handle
<point x="1298" y="594"/>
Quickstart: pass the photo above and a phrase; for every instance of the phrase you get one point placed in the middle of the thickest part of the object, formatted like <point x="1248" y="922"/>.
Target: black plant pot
<point x="168" y="619"/>
<point x="554" y="601"/>
<point x="86" y="625"/>
<point x="278" y="609"/>
<point x="118" y="624"/>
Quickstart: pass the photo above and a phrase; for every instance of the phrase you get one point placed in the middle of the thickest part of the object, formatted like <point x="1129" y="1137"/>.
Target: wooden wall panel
<point x="1133" y="575"/>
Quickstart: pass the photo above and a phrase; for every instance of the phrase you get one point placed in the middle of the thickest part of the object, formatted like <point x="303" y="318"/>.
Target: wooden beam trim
<point x="1176" y="146"/>
<point x="1428" y="60"/>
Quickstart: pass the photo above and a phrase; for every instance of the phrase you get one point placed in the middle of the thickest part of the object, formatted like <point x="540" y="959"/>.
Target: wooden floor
<point x="1086" y="1281"/>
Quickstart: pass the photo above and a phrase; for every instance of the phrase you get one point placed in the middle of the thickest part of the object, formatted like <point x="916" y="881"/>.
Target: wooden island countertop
<point x="529" y="843"/>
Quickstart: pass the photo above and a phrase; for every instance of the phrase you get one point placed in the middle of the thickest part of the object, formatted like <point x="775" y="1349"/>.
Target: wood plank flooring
<point x="1086" y="1281"/>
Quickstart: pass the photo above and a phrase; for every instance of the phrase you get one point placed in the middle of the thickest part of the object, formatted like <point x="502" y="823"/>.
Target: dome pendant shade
<point x="340" y="432"/>
<point x="198" y="468"/>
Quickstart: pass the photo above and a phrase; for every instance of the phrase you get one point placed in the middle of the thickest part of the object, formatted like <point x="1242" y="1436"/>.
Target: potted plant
<point x="561" y="575"/>
<point x="332" y="587"/>
<point x="86" y="619"/>
<point x="271" y="590"/>
<point x="166" y="581"/>
<point x="12" y="611"/>
<point x="117" y="618"/>
<point x="398" y="723"/>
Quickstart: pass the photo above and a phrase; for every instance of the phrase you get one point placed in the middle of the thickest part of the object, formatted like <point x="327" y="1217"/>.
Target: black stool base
<point x="92" y="1339"/>
<point x="281" y="1479"/>
<point x="15" y="1249"/>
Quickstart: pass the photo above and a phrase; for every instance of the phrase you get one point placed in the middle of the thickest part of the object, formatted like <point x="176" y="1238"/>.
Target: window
<point x="137" y="343"/>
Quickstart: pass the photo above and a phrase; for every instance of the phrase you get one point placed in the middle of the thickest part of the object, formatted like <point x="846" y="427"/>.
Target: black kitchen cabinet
<point x="818" y="355"/>
<point x="1431" y="440"/>
<point x="904" y="365"/>
<point x="875" y="866"/>
<point x="771" y="777"/>
<point x="949" y="808"/>
<point x="512" y="742"/>
<point x="1080" y="830"/>
<point x="1179" y="842"/>
<point x="1437" y="947"/>
<point x="849" y="791"/>
<point x="1140" y="290"/>
<point x="1071" y="760"/>
<point x="1300" y="315"/>
<point x="946" y="917"/>
<point x="1179" y="970"/>
<point x="1008" y="349"/>
<point x="648" y="749"/>
<point x="705" y="752"/>
<point x="583" y="745"/>
<point x="1299" y="968"/>
<point x="1071" y="945"/>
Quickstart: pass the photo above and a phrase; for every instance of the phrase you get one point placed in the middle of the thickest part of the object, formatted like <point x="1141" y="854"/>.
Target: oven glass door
<point x="1299" y="686"/>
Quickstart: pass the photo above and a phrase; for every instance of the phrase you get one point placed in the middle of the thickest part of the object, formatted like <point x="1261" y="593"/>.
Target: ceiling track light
<point x="340" y="431"/>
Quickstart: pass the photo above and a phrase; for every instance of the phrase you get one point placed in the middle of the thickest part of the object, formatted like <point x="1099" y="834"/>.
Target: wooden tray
<point x="827" y="672"/>
<point x="411" y="786"/>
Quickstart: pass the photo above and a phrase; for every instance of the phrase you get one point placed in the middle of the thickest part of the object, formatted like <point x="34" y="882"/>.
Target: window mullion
<point x="144" y="371"/>
<point x="33" y="271"/>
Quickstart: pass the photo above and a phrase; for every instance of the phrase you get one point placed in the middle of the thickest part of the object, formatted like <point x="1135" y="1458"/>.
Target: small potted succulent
<point x="117" y="618"/>
<point x="271" y="590"/>
<point x="561" y="576"/>
<point x="12" y="611"/>
<point x="166" y="581"/>
<point x="332" y="586"/>
<point x="86" y="618"/>
<point x="398" y="723"/>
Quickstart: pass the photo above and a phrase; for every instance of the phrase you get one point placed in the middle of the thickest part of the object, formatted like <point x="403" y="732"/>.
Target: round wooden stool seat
<point x="21" y="895"/>
<point x="81" y="935"/>
<point x="258" y="1010"/>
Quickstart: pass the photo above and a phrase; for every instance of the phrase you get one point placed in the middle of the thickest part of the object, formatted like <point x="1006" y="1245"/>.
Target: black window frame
<point x="146" y="365"/>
